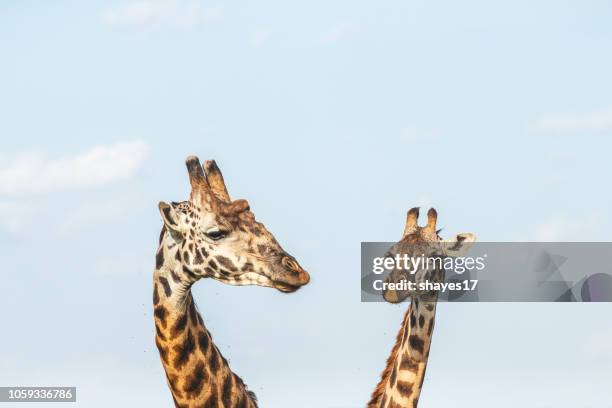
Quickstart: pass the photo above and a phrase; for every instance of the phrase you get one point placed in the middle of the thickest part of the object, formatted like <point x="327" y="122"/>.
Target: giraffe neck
<point x="402" y="379"/>
<point x="198" y="375"/>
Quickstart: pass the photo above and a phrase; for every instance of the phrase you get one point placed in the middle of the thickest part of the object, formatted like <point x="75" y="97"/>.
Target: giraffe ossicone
<point x="402" y="379"/>
<point x="209" y="236"/>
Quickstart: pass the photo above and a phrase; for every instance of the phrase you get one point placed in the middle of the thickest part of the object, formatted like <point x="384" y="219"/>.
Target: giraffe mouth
<point x="286" y="287"/>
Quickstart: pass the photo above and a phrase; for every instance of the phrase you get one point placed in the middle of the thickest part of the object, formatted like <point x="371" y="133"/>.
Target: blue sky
<point x="332" y="119"/>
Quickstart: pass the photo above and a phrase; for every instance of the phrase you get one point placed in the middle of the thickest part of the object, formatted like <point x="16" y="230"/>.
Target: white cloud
<point x="159" y="13"/>
<point x="31" y="173"/>
<point x="598" y="121"/>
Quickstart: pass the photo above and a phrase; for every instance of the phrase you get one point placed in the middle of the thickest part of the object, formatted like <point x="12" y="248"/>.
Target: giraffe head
<point x="219" y="238"/>
<point x="425" y="242"/>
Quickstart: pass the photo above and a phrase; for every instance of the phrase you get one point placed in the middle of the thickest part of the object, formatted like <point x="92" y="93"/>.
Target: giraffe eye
<point x="216" y="234"/>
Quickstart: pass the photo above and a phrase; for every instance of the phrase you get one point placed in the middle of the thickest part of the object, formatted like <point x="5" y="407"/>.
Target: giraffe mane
<point x="161" y="234"/>
<point x="380" y="387"/>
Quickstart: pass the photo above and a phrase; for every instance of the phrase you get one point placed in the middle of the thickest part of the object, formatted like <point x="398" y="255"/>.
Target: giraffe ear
<point x="460" y="245"/>
<point x="170" y="218"/>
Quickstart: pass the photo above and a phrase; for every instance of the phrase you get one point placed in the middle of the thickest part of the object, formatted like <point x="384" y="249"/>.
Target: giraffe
<point x="209" y="236"/>
<point x="402" y="379"/>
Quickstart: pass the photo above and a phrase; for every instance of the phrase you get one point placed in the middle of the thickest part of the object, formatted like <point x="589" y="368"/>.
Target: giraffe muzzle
<point x="292" y="276"/>
<point x="393" y="295"/>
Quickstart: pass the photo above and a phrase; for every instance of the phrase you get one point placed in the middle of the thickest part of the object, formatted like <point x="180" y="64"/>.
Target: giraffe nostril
<point x="291" y="264"/>
<point x="296" y="275"/>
